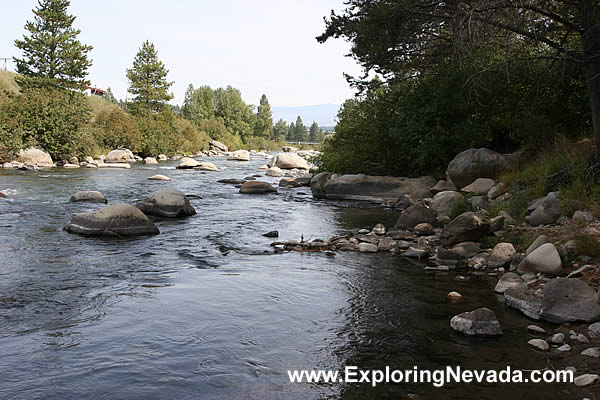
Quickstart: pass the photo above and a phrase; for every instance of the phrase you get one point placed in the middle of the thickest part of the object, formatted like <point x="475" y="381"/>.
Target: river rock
<point x="415" y="215"/>
<point x="206" y="166"/>
<point x="445" y="201"/>
<point x="288" y="183"/>
<point x="116" y="220"/>
<point x="558" y="338"/>
<point x="508" y="219"/>
<point x="69" y="165"/>
<point x="467" y="227"/>
<point x="539" y="344"/>
<point x="239" y="155"/>
<point x="479" y="186"/>
<point x="501" y="255"/>
<point x="479" y="203"/>
<point x="540" y="240"/>
<point x="424" y="229"/>
<point x="217" y="146"/>
<point x="187" y="163"/>
<point x="257" y="187"/>
<point x="115" y="165"/>
<point x="443" y="186"/>
<point x="496" y="191"/>
<point x="586" y="379"/>
<point x="368" y="187"/>
<point x="545" y="211"/>
<point x="150" y="160"/>
<point x="450" y="257"/>
<point x="594" y="330"/>
<point x="467" y="249"/>
<point x="35" y="156"/>
<point x="289" y="161"/>
<point x="569" y="300"/>
<point x="591" y="352"/>
<point x="454" y="296"/>
<point x="419" y="252"/>
<point x="525" y="301"/>
<point x="274" y="171"/>
<point x="378" y="229"/>
<point x="471" y="164"/>
<point x="367" y="247"/>
<point x="496" y="224"/>
<point x="538" y="330"/>
<point x="159" y="178"/>
<point x="544" y="259"/>
<point x="510" y="280"/>
<point x="481" y="322"/>
<point x="583" y="217"/>
<point x="386" y="244"/>
<point x="120" y="156"/>
<point x="168" y="203"/>
<point x="162" y="157"/>
<point x="90" y="196"/>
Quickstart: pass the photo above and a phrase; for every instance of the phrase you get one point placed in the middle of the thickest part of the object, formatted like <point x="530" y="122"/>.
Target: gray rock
<point x="544" y="259"/>
<point x="508" y="219"/>
<point x="591" y="352"/>
<point x="586" y="379"/>
<point x="594" y="330"/>
<point x="454" y="296"/>
<point x="471" y="164"/>
<point x="510" y="280"/>
<point x="257" y="187"/>
<point x="497" y="224"/>
<point x="239" y="155"/>
<point x="35" y="156"/>
<point x="414" y="215"/>
<point x="367" y="187"/>
<point x="150" y="160"/>
<point x="443" y="186"/>
<point x="445" y="201"/>
<point x="467" y="227"/>
<point x="386" y="244"/>
<point x="379" y="229"/>
<point x="502" y="254"/>
<point x="568" y="300"/>
<point x="116" y="220"/>
<point x="479" y="186"/>
<point x="467" y="249"/>
<point x="187" y="163"/>
<point x="217" y="146"/>
<point x="479" y="203"/>
<point x="481" y="322"/>
<point x="367" y="248"/>
<point x="540" y="240"/>
<point x="288" y="183"/>
<point x="536" y="329"/>
<point x="558" y="338"/>
<point x="514" y="264"/>
<point x="525" y="301"/>
<point x="159" y="178"/>
<point x="290" y="161"/>
<point x="90" y="196"/>
<point x="581" y="338"/>
<point x="167" y="203"/>
<point x="564" y="348"/>
<point x="424" y="229"/>
<point x="416" y="252"/>
<point x="120" y="156"/>
<point x="583" y="217"/>
<point x="545" y="211"/>
<point x="539" y="344"/>
<point x="496" y="191"/>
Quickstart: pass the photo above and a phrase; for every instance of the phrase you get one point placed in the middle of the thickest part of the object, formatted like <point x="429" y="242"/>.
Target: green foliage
<point x="110" y="97"/>
<point x="264" y="119"/>
<point x="215" y="129"/>
<point x="300" y="134"/>
<point x="587" y="245"/>
<point x="280" y="130"/>
<point x="237" y="116"/>
<point x="316" y="134"/>
<point x="199" y="104"/>
<point x="457" y="208"/>
<point x="52" y="55"/>
<point x="148" y="81"/>
<point x="291" y="135"/>
<point x="48" y="117"/>
<point x="114" y="129"/>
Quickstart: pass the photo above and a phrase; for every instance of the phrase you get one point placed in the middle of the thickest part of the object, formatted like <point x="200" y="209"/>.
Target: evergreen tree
<point x="110" y="97"/>
<point x="314" y="132"/>
<point x="237" y="116"/>
<point x="264" y="119"/>
<point x="291" y="136"/>
<point x="52" y="55"/>
<point x="148" y="80"/>
<point x="199" y="104"/>
<point x="301" y="133"/>
<point x="187" y="102"/>
<point x="280" y="130"/>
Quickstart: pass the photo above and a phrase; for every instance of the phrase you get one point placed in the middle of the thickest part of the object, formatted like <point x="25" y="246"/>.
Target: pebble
<point x="582" y="338"/>
<point x="536" y="329"/>
<point x="539" y="344"/>
<point x="564" y="347"/>
<point x="591" y="352"/>
<point x="558" y="338"/>
<point x="454" y="296"/>
<point x="586" y="379"/>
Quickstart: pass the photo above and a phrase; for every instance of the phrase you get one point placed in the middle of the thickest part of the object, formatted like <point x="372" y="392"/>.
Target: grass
<point x="457" y="208"/>
<point x="587" y="245"/>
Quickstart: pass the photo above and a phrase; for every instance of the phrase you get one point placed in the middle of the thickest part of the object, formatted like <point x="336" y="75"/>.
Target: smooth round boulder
<point x="510" y="280"/>
<point x="120" y="156"/>
<point x="35" y="156"/>
<point x="207" y="166"/>
<point x="467" y="227"/>
<point x="168" y="203"/>
<point x="481" y="322"/>
<point x="162" y="157"/>
<point x="274" y="171"/>
<point x="471" y="164"/>
<point x="479" y="186"/>
<point x="502" y="254"/>
<point x="187" y="163"/>
<point x="415" y="215"/>
<point x="290" y="161"/>
<point x="239" y="155"/>
<point x="116" y="220"/>
<point x="257" y="187"/>
<point x="159" y="178"/>
<point x="544" y="259"/>
<point x="444" y="202"/>
<point x="150" y="160"/>
<point x="90" y="196"/>
<point x="569" y="300"/>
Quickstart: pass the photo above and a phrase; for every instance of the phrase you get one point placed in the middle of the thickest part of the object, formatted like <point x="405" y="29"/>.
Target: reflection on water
<point x="205" y="310"/>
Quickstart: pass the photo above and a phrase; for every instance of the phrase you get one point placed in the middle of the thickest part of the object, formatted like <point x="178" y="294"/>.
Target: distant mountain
<point x="324" y="114"/>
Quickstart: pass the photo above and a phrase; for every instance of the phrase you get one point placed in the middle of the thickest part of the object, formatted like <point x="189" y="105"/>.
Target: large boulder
<point x="150" y="160"/>
<point x="518" y="297"/>
<point x="545" y="211"/>
<point x="187" y="163"/>
<point x="481" y="322"/>
<point x="471" y="164"/>
<point x="206" y="166"/>
<point x="544" y="259"/>
<point x="501" y="255"/>
<point x="217" y="146"/>
<point x="120" y="156"/>
<point x="257" y="187"/>
<point x="415" y="215"/>
<point x="168" y="203"/>
<point x="467" y="227"/>
<point x="90" y="196"/>
<point x="274" y="171"/>
<point x="117" y="220"/>
<point x="569" y="300"/>
<point x="443" y="186"/>
<point x="444" y="202"/>
<point x="289" y="161"/>
<point x="35" y="156"/>
<point x="239" y="155"/>
<point x="369" y="187"/>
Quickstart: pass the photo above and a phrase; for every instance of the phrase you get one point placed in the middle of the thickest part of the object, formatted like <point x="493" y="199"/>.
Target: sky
<point x="260" y="46"/>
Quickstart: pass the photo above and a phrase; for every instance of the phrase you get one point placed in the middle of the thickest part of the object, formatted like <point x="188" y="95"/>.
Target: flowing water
<point x="205" y="310"/>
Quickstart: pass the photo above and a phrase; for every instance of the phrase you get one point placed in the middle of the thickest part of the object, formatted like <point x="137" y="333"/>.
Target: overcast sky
<point x="260" y="46"/>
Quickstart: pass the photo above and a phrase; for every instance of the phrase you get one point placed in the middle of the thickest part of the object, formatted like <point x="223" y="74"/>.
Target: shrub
<point x="113" y="128"/>
<point x="587" y="245"/>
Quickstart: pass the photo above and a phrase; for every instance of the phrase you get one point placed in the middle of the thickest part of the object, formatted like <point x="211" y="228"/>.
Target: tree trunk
<point x="591" y="63"/>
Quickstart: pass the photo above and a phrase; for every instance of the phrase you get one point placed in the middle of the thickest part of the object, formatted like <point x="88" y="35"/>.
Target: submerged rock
<point x="116" y="220"/>
<point x="90" y="196"/>
<point x="159" y="178"/>
<point x="481" y="322"/>
<point x="168" y="203"/>
<point x="257" y="187"/>
<point x="206" y="166"/>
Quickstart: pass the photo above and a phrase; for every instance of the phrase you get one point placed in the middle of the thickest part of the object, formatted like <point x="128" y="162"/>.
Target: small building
<point x="92" y="91"/>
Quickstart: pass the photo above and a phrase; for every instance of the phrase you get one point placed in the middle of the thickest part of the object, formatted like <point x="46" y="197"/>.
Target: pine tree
<point x="52" y="55"/>
<point x="314" y="132"/>
<point x="187" y="102"/>
<point x="110" y="97"/>
<point x="148" y="80"/>
<point x="301" y="133"/>
<point x="264" y="119"/>
<point x="280" y="130"/>
<point x="291" y="136"/>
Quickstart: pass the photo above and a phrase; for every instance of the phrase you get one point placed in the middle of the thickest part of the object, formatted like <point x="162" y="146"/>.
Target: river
<point x="205" y="310"/>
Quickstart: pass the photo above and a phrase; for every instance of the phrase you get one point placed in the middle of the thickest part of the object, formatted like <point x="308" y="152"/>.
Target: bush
<point x="114" y="128"/>
<point x="215" y="129"/>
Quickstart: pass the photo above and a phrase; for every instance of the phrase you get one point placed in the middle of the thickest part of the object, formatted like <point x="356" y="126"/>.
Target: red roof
<point x="93" y="89"/>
